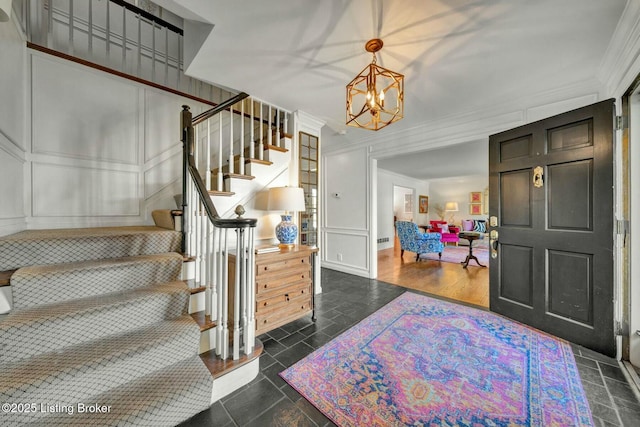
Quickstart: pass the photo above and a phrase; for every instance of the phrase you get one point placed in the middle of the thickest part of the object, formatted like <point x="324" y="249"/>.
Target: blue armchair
<point x="411" y="239"/>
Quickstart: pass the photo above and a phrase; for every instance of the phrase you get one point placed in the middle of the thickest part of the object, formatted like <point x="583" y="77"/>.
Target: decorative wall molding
<point x="76" y="191"/>
<point x="82" y="114"/>
<point x="11" y="179"/>
<point x="347" y="250"/>
<point x="622" y="52"/>
<point x="119" y="172"/>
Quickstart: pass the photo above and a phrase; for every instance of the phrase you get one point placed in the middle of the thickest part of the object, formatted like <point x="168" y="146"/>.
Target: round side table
<point x="471" y="237"/>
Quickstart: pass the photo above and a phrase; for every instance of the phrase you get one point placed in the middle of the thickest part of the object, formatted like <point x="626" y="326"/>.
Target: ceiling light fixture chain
<point x="368" y="91"/>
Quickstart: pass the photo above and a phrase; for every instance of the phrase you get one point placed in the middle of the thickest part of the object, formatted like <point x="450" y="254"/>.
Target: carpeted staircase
<point x="99" y="332"/>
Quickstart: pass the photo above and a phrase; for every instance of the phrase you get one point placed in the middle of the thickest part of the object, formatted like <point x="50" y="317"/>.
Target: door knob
<point x="493" y="243"/>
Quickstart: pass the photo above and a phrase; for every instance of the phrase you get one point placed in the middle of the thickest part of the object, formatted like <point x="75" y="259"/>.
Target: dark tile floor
<point x="346" y="299"/>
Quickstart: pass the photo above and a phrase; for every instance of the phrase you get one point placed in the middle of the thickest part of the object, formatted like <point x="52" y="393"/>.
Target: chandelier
<point x="375" y="97"/>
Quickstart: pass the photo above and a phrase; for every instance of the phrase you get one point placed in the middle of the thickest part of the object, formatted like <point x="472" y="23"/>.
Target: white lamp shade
<point x="5" y="10"/>
<point x="451" y="206"/>
<point x="286" y="199"/>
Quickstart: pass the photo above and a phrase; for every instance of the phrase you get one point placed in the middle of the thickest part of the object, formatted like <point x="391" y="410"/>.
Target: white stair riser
<point x="207" y="340"/>
<point x="6" y="301"/>
<point x="196" y="302"/>
<point x="237" y="185"/>
<point x="256" y="169"/>
<point x="275" y="156"/>
<point x="188" y="270"/>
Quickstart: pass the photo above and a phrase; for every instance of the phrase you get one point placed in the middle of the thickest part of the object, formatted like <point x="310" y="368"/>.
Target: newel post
<point x="187" y="142"/>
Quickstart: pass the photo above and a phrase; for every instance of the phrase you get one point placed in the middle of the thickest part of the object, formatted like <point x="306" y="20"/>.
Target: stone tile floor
<point x="346" y="299"/>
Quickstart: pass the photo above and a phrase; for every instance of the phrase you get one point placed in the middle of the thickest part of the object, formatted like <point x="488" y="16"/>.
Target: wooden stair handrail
<point x="187" y="121"/>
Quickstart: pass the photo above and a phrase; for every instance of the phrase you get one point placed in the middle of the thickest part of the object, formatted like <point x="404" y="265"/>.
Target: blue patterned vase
<point x="286" y="231"/>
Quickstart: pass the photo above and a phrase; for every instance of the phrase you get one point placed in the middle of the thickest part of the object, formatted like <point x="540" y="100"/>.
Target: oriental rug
<point x="458" y="254"/>
<point x="419" y="361"/>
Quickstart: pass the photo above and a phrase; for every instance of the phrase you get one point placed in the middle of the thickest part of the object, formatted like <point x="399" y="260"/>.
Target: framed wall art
<point x="475" y="197"/>
<point x="423" y="204"/>
<point x="475" y="208"/>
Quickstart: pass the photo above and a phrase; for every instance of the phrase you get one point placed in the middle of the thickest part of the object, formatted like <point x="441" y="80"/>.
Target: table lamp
<point x="288" y="199"/>
<point x="451" y="206"/>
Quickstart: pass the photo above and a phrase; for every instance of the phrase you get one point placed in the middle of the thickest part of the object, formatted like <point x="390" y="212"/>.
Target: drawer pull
<point x="286" y="296"/>
<point x="265" y="304"/>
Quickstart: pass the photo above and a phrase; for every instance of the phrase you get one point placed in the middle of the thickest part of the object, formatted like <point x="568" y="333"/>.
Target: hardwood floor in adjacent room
<point x="449" y="280"/>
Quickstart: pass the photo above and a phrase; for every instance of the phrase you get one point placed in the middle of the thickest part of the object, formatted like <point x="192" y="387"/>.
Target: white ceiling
<point x="471" y="158"/>
<point x="457" y="55"/>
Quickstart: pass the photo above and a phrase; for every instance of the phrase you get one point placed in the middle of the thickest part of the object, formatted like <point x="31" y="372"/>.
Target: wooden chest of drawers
<point x="284" y="286"/>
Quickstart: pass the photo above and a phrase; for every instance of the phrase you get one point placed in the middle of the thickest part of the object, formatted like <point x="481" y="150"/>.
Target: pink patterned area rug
<point x="458" y="254"/>
<point x="419" y="361"/>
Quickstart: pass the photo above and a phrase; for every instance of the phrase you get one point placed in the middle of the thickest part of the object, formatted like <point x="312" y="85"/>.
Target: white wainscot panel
<point x="78" y="191"/>
<point x="162" y="122"/>
<point x="346" y="188"/>
<point x="80" y="113"/>
<point x="11" y="186"/>
<point x="163" y="174"/>
<point x="347" y="249"/>
<point x="12" y="85"/>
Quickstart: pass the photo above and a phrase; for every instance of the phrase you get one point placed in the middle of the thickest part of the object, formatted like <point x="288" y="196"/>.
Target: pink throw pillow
<point x="467" y="225"/>
<point x="444" y="228"/>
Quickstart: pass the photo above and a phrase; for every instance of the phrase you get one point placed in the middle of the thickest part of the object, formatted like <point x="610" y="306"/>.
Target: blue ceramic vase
<point x="286" y="231"/>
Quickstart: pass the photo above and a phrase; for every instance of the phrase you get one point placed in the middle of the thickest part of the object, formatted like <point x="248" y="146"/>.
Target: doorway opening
<point x="443" y="277"/>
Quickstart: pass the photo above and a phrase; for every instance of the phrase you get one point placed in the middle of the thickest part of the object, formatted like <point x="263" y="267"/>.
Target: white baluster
<point x="220" y="286"/>
<point x="250" y="329"/>
<point x="261" y="145"/>
<point x="236" y="294"/>
<point x="179" y="63"/>
<point x="124" y="39"/>
<point x="196" y="235"/>
<point x="202" y="250"/>
<point x="139" y="46"/>
<point x="252" y="148"/>
<point x="90" y="30"/>
<point x="70" y="49"/>
<point x="108" y="29"/>
<point x="211" y="271"/>
<point x="166" y="56"/>
<point x="278" y="143"/>
<point x="196" y="141"/>
<point x="224" y="353"/>
<point x="219" y="177"/>
<point x="285" y="126"/>
<point x="153" y="52"/>
<point x="241" y="158"/>
<point x="269" y="132"/>
<point x="231" y="166"/>
<point x="207" y="172"/>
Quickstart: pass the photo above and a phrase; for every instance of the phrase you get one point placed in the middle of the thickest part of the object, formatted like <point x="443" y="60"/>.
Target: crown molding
<point x="623" y="51"/>
<point x="472" y="125"/>
<point x="308" y="120"/>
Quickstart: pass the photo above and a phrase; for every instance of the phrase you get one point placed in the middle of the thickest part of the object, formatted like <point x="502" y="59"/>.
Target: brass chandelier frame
<point x="375" y="97"/>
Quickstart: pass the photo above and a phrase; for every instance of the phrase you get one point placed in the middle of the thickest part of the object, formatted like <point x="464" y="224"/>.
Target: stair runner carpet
<point x="99" y="333"/>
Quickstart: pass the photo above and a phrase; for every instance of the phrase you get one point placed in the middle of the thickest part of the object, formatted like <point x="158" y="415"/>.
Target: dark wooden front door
<point x="552" y="262"/>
